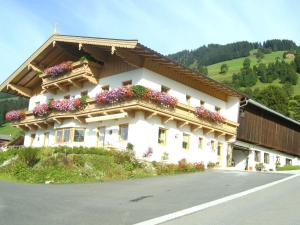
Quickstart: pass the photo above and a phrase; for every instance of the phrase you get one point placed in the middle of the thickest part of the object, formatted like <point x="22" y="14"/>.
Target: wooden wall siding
<point x="262" y="128"/>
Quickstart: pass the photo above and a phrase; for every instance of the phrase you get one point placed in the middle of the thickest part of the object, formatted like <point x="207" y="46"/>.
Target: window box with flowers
<point x="136" y="92"/>
<point x="14" y="116"/>
<point x="55" y="71"/>
<point x="203" y="113"/>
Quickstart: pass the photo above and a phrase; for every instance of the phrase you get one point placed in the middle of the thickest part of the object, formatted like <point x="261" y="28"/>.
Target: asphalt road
<point x="123" y="202"/>
<point x="278" y="205"/>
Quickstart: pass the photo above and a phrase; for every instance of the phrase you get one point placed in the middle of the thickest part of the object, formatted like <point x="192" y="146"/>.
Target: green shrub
<point x="10" y="153"/>
<point x="30" y="156"/>
<point x="211" y="165"/>
<point x="259" y="166"/>
<point x="139" y="91"/>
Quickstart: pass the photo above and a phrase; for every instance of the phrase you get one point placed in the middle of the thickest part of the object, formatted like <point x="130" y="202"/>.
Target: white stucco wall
<point x="251" y="157"/>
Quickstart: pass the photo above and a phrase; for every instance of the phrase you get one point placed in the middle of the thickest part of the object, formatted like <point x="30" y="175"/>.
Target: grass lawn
<point x="288" y="167"/>
<point x="7" y="129"/>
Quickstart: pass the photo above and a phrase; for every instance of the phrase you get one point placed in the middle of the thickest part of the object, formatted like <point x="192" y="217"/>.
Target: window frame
<point x="219" y="149"/>
<point x="257" y="156"/>
<point x="200" y="143"/>
<point x="164" y="143"/>
<point x="165" y="89"/>
<point x="127" y="83"/>
<point x="105" y="88"/>
<point x="266" y="158"/>
<point x="188" y="99"/>
<point x="120" y="132"/>
<point x="187" y="146"/>
<point x="202" y="103"/>
<point x="63" y="135"/>
<point x="218" y="109"/>
<point x="80" y="129"/>
<point x="84" y="93"/>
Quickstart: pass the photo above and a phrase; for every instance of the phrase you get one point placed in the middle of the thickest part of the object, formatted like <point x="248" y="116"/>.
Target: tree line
<point x="214" y="53"/>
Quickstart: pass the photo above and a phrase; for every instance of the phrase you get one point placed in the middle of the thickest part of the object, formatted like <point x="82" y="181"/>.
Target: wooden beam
<point x="219" y="133"/>
<point x="75" y="83"/>
<point x="130" y="58"/>
<point x="207" y="130"/>
<point x="228" y="137"/>
<point x="34" y="68"/>
<point x="149" y="115"/>
<point x="62" y="88"/>
<point x="165" y="120"/>
<point x="57" y="120"/>
<point x="195" y="128"/>
<point x="80" y="119"/>
<point x="21" y="90"/>
<point x="182" y="124"/>
<point x="91" y="79"/>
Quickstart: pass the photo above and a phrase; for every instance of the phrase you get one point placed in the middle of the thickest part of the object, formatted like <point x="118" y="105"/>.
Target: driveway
<point x="121" y="202"/>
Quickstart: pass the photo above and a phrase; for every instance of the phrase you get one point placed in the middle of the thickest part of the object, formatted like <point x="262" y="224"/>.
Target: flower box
<point x="203" y="113"/>
<point x="41" y="110"/>
<point x="14" y="116"/>
<point x="137" y="91"/>
<point x="58" y="70"/>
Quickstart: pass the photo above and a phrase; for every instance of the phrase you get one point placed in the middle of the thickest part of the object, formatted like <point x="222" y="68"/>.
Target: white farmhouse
<point x="135" y="95"/>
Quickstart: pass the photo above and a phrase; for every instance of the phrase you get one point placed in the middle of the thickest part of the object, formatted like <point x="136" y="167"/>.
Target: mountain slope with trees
<point x="267" y="72"/>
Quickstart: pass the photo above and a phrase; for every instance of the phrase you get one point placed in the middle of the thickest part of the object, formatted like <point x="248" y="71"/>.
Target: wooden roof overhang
<point x="58" y="48"/>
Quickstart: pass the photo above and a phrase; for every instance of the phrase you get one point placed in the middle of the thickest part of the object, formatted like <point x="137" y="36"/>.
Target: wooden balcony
<point x="183" y="115"/>
<point x="83" y="71"/>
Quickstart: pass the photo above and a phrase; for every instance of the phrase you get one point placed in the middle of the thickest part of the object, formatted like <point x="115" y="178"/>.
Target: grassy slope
<point x="235" y="65"/>
<point x="6" y="128"/>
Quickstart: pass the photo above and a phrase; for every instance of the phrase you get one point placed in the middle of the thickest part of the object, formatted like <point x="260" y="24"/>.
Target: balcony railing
<point x="182" y="114"/>
<point x="82" y="71"/>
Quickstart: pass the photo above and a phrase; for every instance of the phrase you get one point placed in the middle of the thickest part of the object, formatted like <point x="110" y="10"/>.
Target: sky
<point x="166" y="26"/>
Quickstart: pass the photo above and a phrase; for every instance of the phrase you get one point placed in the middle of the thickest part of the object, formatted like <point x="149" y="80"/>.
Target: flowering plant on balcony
<point x="57" y="70"/>
<point x="136" y="91"/>
<point x="203" y="113"/>
<point x="115" y="95"/>
<point x="14" y="116"/>
<point x="41" y="110"/>
<point x="64" y="105"/>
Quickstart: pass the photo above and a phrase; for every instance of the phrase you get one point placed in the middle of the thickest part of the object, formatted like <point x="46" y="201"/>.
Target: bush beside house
<point x="81" y="164"/>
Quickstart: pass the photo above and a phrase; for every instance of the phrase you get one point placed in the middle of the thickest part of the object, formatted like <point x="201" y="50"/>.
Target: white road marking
<point x="200" y="207"/>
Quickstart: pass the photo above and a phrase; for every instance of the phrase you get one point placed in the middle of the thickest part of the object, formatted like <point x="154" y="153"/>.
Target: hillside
<point x="235" y="65"/>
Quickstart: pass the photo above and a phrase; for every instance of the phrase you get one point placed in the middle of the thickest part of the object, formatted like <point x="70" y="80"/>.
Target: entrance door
<point x="101" y="136"/>
<point x="46" y="139"/>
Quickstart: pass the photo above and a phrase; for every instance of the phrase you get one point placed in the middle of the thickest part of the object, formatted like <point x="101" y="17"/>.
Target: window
<point x="200" y="143"/>
<point x="123" y="132"/>
<point x="219" y="152"/>
<point x="84" y="93"/>
<point x="288" y="161"/>
<point x="165" y="89"/>
<point x="67" y="97"/>
<point x="266" y="158"/>
<point x="37" y="103"/>
<point x="105" y="88"/>
<point x="186" y="141"/>
<point x="79" y="135"/>
<point x="188" y="99"/>
<point x="162" y="136"/>
<point x="127" y="83"/>
<point x="212" y="144"/>
<point x="217" y="109"/>
<point x="202" y="103"/>
<point x="257" y="156"/>
<point x="63" y="135"/>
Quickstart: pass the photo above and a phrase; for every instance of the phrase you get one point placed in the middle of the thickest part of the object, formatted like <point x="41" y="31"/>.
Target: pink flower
<point x="14" y="116"/>
<point x="41" y="110"/>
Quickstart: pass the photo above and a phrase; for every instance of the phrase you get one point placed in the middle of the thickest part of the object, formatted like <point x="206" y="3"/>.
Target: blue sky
<point x="167" y="26"/>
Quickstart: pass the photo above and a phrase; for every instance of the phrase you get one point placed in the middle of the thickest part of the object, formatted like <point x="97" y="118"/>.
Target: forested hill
<point x="267" y="72"/>
<point x="214" y="53"/>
